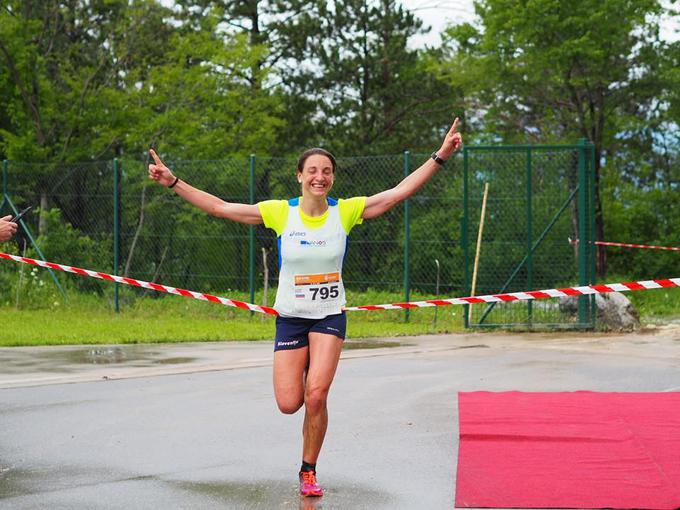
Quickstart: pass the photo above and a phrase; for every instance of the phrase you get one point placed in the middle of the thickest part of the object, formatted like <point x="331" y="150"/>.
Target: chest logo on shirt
<point x="312" y="243"/>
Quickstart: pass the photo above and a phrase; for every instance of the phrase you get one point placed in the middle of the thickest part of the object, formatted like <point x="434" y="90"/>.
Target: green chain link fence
<point x="539" y="197"/>
<point x="108" y="216"/>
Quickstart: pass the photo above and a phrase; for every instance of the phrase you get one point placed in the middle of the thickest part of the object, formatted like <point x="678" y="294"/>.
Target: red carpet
<point x="569" y="450"/>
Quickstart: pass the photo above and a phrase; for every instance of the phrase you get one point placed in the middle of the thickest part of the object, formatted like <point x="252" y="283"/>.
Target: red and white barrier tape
<point x="140" y="283"/>
<point x="629" y="245"/>
<point x="493" y="298"/>
<point x="534" y="294"/>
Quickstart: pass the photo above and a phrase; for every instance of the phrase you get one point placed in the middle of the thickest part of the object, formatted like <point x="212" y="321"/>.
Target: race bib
<point x="318" y="293"/>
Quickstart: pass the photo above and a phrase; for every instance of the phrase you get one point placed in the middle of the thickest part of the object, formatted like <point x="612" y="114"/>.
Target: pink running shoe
<point x="308" y="485"/>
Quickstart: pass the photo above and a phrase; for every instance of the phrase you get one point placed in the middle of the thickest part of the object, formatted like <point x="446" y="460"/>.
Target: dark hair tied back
<point x="312" y="152"/>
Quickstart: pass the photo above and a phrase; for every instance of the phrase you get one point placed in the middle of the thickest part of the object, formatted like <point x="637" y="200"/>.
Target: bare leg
<point x="289" y="374"/>
<point x="324" y="353"/>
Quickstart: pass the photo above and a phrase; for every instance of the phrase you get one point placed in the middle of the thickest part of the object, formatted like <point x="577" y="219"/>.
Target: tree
<point x="92" y="80"/>
<point x="344" y="70"/>
<point x="545" y="70"/>
<point x="355" y="80"/>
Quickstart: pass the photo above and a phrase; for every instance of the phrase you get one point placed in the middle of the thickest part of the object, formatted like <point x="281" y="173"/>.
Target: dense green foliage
<point x="547" y="71"/>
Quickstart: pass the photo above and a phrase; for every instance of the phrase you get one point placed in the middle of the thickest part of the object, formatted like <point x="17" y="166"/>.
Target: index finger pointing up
<point x="456" y="122"/>
<point x="155" y="157"/>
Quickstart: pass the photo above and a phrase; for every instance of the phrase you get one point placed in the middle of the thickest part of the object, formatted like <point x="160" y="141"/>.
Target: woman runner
<point x="312" y="233"/>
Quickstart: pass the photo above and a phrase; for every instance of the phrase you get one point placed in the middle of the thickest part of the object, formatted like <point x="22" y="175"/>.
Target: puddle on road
<point x="239" y="494"/>
<point x="98" y="356"/>
<point x="63" y="360"/>
<point x="11" y="482"/>
<point x="370" y="344"/>
<point x="279" y="494"/>
<point x="174" y="361"/>
<point x="103" y="355"/>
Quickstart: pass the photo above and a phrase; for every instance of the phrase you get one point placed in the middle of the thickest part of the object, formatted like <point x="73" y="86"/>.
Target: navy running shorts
<point x="293" y="332"/>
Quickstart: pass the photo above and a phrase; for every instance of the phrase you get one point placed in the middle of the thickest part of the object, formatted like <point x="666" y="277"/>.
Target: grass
<point x="657" y="306"/>
<point x="90" y="319"/>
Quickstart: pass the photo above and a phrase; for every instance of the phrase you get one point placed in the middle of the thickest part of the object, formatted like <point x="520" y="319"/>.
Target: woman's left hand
<point x="452" y="142"/>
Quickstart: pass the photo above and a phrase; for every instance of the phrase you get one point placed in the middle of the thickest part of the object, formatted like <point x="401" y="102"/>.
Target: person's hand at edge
<point x="7" y="228"/>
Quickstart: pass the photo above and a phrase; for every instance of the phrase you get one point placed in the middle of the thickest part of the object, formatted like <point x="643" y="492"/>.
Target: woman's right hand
<point x="159" y="172"/>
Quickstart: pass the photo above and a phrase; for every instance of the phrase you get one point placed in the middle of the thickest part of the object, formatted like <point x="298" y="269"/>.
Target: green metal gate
<point x="540" y="197"/>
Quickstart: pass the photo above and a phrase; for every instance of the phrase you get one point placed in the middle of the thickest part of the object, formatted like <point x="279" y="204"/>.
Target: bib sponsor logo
<point x="295" y="233"/>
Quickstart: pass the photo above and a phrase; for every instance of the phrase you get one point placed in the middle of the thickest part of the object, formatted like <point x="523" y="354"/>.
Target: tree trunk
<point x="42" y="221"/>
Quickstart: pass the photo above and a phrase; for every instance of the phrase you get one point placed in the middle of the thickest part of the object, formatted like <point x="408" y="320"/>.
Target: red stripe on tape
<point x="406" y="305"/>
<point x="635" y="286"/>
<point x="571" y="292"/>
<point x="212" y="299"/>
<point x="241" y="304"/>
<point x="538" y="294"/>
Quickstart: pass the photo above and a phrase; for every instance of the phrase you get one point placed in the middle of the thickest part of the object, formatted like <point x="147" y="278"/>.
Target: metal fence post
<point x="530" y="237"/>
<point x="407" y="239"/>
<point x="583" y="236"/>
<point x="591" y="212"/>
<point x="5" y="171"/>
<point x="465" y="238"/>
<point x="5" y="197"/>
<point x="116" y="230"/>
<point x="251" y="240"/>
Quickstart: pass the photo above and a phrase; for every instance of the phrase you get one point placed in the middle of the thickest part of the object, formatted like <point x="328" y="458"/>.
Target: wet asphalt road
<point x="195" y="426"/>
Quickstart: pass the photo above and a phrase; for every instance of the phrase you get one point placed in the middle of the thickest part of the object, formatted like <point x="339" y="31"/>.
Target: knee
<point x="287" y="406"/>
<point x="315" y="399"/>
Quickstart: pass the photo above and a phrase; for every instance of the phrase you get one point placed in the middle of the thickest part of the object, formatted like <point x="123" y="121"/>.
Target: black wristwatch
<point x="439" y="160"/>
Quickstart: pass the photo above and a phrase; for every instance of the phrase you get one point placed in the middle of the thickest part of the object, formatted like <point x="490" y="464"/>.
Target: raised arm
<point x="242" y="213"/>
<point x="382" y="202"/>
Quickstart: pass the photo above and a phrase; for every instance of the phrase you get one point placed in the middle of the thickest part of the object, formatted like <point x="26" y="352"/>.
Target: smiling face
<point x="317" y="176"/>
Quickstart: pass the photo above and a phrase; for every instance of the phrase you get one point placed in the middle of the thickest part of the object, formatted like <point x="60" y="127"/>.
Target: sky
<point x="440" y="13"/>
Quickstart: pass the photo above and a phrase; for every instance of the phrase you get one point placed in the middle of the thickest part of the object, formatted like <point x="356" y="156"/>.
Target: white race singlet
<point x="310" y="277"/>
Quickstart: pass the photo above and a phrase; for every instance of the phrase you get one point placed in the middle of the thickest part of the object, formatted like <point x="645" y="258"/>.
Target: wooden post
<point x="479" y="247"/>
